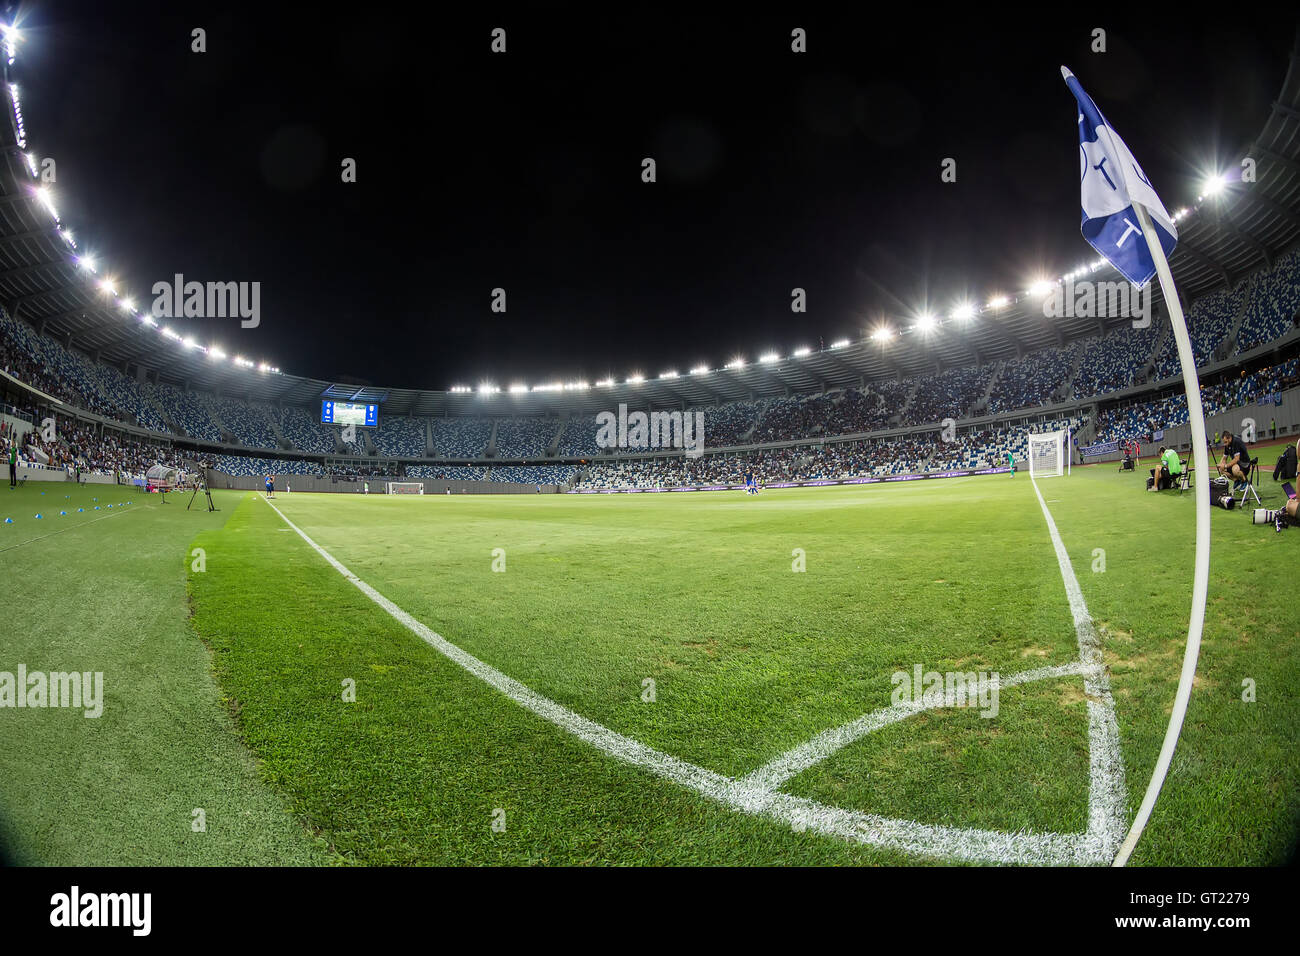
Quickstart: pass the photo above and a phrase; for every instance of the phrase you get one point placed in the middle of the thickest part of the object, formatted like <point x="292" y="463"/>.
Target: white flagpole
<point x="1201" y="578"/>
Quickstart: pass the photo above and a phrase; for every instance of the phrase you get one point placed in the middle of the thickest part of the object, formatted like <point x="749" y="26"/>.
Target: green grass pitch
<point x="225" y="686"/>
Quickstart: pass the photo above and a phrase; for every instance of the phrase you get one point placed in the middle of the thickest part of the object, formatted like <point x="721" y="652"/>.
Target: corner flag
<point x="1110" y="183"/>
<point x="1125" y="221"/>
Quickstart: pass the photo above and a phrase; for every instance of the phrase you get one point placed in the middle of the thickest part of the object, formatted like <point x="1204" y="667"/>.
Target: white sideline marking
<point x="71" y="527"/>
<point x="1107" y="793"/>
<point x="752" y="798"/>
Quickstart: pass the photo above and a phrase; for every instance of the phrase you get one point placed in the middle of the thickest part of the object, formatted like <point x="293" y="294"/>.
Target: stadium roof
<point x="46" y="283"/>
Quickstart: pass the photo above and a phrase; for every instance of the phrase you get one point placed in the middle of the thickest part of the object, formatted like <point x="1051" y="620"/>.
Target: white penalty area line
<point x="741" y="794"/>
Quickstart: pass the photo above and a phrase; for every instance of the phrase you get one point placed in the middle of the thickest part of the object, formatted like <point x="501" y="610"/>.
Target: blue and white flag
<point x="1110" y="183"/>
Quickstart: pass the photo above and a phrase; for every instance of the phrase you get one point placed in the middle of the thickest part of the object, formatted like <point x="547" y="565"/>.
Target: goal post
<point x="404" y="487"/>
<point x="1047" y="455"/>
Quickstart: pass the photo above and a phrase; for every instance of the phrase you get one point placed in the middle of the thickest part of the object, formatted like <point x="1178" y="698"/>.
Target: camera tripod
<point x="207" y="493"/>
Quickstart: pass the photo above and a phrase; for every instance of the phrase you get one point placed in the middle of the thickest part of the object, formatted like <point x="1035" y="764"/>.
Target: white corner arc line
<point x="799" y="813"/>
<point x="794" y="762"/>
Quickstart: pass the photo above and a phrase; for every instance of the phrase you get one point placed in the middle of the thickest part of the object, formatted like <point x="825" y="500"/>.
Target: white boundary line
<point x="73" y="527"/>
<point x="1107" y="793"/>
<point x="748" y="796"/>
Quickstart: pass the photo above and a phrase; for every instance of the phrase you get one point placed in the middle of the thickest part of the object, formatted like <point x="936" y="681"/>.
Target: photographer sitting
<point x="1171" y="466"/>
<point x="1235" y="460"/>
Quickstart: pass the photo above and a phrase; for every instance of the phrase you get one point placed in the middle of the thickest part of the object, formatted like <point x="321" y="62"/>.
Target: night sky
<point x="523" y="170"/>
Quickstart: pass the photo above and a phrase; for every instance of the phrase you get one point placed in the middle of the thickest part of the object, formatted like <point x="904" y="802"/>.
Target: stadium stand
<point x="250" y="424"/>
<point x="1209" y="320"/>
<point x="534" y="474"/>
<point x="1274" y="304"/>
<point x="239" y="466"/>
<point x="461" y="437"/>
<point x="77" y="446"/>
<point x="400" y="436"/>
<point x="188" y="413"/>
<point x="1031" y="379"/>
<point x="788" y="418"/>
<point x="1114" y="360"/>
<point x="949" y="394"/>
<point x="1142" y="420"/>
<point x="578" y="440"/>
<point x="1266" y="305"/>
<point x="524" y="437"/>
<point x="305" y="432"/>
<point x="731" y="423"/>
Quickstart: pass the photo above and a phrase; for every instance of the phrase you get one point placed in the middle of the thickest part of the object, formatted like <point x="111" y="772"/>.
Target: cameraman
<point x="1235" y="460"/>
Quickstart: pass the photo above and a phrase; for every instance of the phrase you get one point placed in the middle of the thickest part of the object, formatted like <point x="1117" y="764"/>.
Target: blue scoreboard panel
<point x="348" y="413"/>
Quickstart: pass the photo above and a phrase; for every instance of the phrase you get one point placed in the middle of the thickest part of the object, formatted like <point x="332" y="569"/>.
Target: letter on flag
<point x="1110" y="182"/>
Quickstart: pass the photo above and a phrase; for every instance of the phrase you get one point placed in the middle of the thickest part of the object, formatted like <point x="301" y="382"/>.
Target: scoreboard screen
<point x="348" y="413"/>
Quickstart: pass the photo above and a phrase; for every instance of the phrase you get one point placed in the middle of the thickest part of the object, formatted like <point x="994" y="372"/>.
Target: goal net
<point x="404" y="487"/>
<point x="1047" y="455"/>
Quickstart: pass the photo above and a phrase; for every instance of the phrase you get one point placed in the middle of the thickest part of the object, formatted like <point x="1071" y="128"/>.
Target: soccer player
<point x="13" y="464"/>
<point x="749" y="481"/>
<point x="1011" y="463"/>
<point x="1235" y="461"/>
<point x="270" y="486"/>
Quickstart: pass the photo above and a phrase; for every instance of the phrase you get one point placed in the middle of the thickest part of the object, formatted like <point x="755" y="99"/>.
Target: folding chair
<point x="1252" y="475"/>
